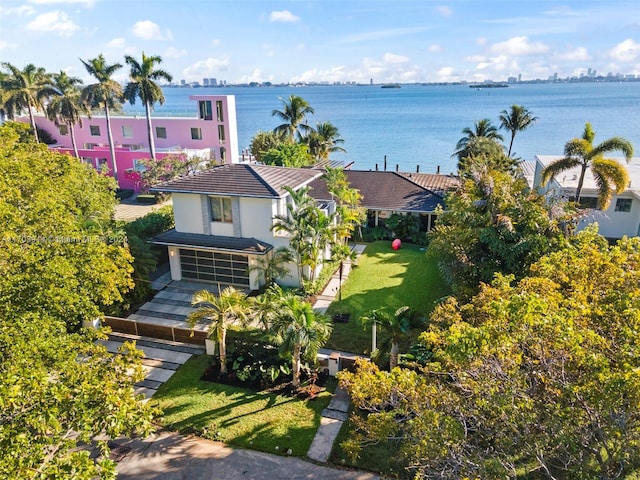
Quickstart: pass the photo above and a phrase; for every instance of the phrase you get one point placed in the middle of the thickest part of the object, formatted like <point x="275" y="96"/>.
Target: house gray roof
<point x="438" y="184"/>
<point x="216" y="242"/>
<point x="384" y="191"/>
<point x="241" y="179"/>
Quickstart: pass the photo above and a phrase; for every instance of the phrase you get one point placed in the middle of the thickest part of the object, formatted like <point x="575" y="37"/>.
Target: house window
<point x="221" y="133"/>
<point x="589" y="202"/>
<point x="88" y="161"/>
<point x="220" y="209"/>
<point x="101" y="164"/>
<point x="223" y="154"/>
<point x="95" y="130"/>
<point x="161" y="132"/>
<point x="623" y="205"/>
<point x="127" y="131"/>
<point x="196" y="133"/>
<point x="219" y="111"/>
<point x="138" y="165"/>
<point x="204" y="106"/>
<point x="63" y="129"/>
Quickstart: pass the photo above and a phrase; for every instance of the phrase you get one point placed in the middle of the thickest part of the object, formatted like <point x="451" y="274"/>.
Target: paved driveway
<point x="170" y="456"/>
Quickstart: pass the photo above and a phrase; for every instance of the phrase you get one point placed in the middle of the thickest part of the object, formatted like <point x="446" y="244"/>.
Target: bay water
<point x="418" y="126"/>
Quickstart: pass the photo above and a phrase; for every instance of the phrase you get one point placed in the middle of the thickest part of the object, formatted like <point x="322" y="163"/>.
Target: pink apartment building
<point x="212" y="134"/>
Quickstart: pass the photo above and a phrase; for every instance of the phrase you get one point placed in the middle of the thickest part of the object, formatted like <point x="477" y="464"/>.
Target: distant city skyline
<point x="330" y="41"/>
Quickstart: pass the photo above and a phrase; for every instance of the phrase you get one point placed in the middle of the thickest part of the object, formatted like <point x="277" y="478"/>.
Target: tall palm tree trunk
<point x="73" y="140"/>
<point x="112" y="148"/>
<point x="297" y="351"/>
<point x="580" y="183"/>
<point x="152" y="145"/>
<point x="223" y="351"/>
<point x="393" y="355"/>
<point x="32" y="118"/>
<point x="513" y="137"/>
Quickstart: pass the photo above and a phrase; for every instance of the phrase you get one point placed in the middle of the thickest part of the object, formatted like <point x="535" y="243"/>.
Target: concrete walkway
<point x="170" y="456"/>
<point x="161" y="358"/>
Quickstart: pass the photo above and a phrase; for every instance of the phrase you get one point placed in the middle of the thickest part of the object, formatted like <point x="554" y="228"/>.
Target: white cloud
<point x="381" y="34"/>
<point x="334" y="74"/>
<point x="626" y="51"/>
<point x="88" y="3"/>
<point x="116" y="43"/>
<point x="148" y="30"/>
<point x="283" y="16"/>
<point x="435" y="48"/>
<point x="575" y="55"/>
<point x="255" y="76"/>
<point x="173" y="52"/>
<point x="393" y="59"/>
<point x="20" y="11"/>
<point x="448" y="74"/>
<point x="205" y="68"/>
<point x="444" y="10"/>
<point x="6" y="45"/>
<point x="518" y="46"/>
<point x="215" y="42"/>
<point x="55" y="21"/>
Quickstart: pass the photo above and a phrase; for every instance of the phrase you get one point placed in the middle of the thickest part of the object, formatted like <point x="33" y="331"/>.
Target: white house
<point x="224" y="216"/>
<point x="623" y="215"/>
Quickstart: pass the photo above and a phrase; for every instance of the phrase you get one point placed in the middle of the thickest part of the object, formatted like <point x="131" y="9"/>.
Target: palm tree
<point x="396" y="325"/>
<point x="516" y="120"/>
<point x="273" y="266"/>
<point x="324" y="140"/>
<point x="143" y="86"/>
<point x="66" y="107"/>
<point x="482" y="128"/>
<point x="107" y="93"/>
<point x="300" y="331"/>
<point x="221" y="310"/>
<point x="297" y="224"/>
<point x="606" y="171"/>
<point x="293" y="114"/>
<point x="25" y="90"/>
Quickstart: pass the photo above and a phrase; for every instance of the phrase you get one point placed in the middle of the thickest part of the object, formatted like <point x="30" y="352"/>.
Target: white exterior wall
<point x="188" y="214"/>
<point x="255" y="218"/>
<point x="612" y="224"/>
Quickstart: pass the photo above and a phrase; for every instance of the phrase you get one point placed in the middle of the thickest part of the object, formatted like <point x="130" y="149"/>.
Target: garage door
<point x="227" y="268"/>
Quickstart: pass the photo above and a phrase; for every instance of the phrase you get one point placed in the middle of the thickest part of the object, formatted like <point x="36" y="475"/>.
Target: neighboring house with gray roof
<point x="224" y="216"/>
<point x="623" y="215"/>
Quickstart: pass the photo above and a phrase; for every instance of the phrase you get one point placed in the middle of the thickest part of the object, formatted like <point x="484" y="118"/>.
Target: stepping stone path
<point x="332" y="419"/>
<point x="161" y="358"/>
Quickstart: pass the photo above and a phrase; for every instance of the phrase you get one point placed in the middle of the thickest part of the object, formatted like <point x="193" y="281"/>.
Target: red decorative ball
<point x="396" y="244"/>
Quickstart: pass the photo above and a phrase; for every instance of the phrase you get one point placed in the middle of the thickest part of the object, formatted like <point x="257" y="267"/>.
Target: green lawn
<point x="385" y="278"/>
<point x="255" y="420"/>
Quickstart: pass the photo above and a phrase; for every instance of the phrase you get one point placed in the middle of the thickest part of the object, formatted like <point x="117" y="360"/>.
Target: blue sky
<point x="329" y="40"/>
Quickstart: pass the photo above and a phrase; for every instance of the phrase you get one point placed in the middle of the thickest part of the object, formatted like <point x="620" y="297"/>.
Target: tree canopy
<point x="61" y="255"/>
<point x="62" y="263"/>
<point x="538" y="378"/>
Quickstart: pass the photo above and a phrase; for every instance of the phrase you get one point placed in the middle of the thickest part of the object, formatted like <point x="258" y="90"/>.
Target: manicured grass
<point x="255" y="420"/>
<point x="389" y="279"/>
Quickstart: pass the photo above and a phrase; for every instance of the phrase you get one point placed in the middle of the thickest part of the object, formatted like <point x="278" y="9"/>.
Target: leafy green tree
<point x="106" y="94"/>
<point x="230" y="306"/>
<point x="25" y="90"/>
<point x="294" y="155"/>
<point x="481" y="129"/>
<point x="396" y="326"/>
<point x="483" y="152"/>
<point x="293" y="115"/>
<point x="516" y="119"/>
<point x="323" y="141"/>
<point x="350" y="213"/>
<point x="66" y="107"/>
<point x="494" y="223"/>
<point x="142" y="85"/>
<point x="299" y="331"/>
<point x="263" y="142"/>
<point x="60" y="392"/>
<point x="607" y="172"/>
<point x="62" y="256"/>
<point x="530" y="379"/>
<point x="167" y="168"/>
